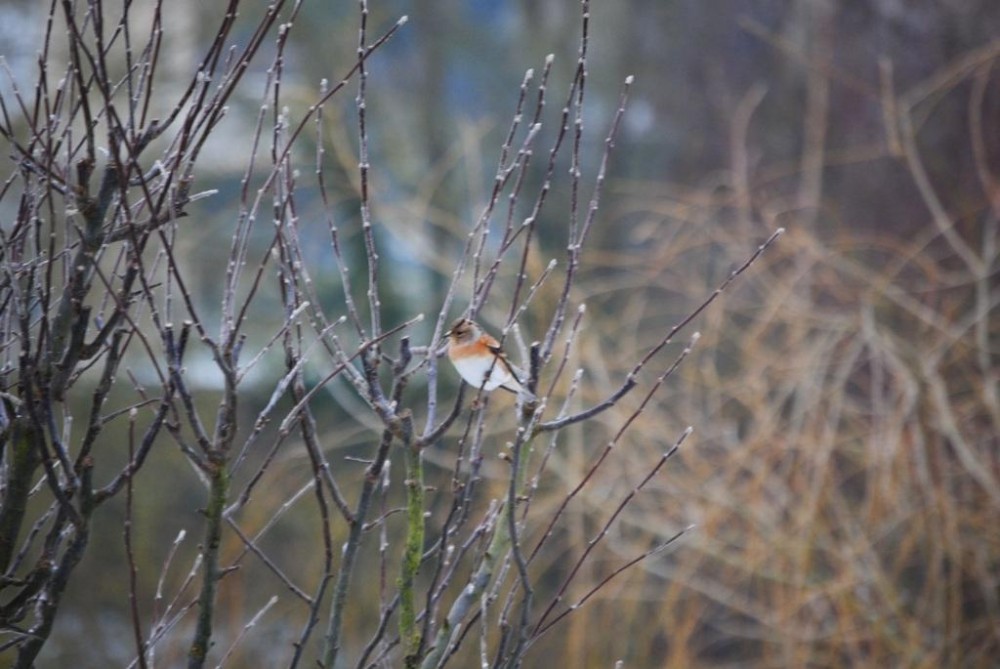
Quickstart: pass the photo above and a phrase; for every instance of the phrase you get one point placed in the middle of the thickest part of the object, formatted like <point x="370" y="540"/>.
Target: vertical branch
<point x="574" y="100"/>
<point x="739" y="158"/>
<point x="991" y="190"/>
<point x="21" y="442"/>
<point x="519" y="465"/>
<point x="292" y="342"/>
<point x="130" y="555"/>
<point x="218" y="492"/>
<point x="374" y="304"/>
<point x="397" y="426"/>
<point x="817" y="109"/>
<point x="413" y="550"/>
<point x="468" y="598"/>
<point x="939" y="215"/>
<point x="332" y="640"/>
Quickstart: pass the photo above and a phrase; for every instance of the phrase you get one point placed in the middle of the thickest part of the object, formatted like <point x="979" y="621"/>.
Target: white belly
<point x="474" y="370"/>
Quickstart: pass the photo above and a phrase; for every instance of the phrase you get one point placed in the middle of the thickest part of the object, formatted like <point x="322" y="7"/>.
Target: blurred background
<point x="844" y="472"/>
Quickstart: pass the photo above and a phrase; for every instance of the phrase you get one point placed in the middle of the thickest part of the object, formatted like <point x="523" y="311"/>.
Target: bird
<point x="476" y="354"/>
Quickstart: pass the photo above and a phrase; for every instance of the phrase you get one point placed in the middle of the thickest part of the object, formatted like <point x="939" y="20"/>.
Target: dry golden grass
<point x="844" y="475"/>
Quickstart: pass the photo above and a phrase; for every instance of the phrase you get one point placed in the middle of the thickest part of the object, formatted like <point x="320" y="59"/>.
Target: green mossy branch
<point x="409" y="631"/>
<point x="24" y="461"/>
<point x="219" y="490"/>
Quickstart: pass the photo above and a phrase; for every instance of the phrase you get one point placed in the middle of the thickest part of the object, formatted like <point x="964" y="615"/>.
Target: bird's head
<point x="462" y="331"/>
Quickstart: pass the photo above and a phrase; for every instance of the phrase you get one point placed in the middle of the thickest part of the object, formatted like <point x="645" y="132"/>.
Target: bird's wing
<point x="494" y="346"/>
<point x="516" y="373"/>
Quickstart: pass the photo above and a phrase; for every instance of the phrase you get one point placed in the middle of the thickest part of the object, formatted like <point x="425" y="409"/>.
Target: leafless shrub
<point x="96" y="290"/>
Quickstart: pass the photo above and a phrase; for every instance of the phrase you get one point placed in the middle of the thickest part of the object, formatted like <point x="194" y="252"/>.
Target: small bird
<point x="476" y="354"/>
